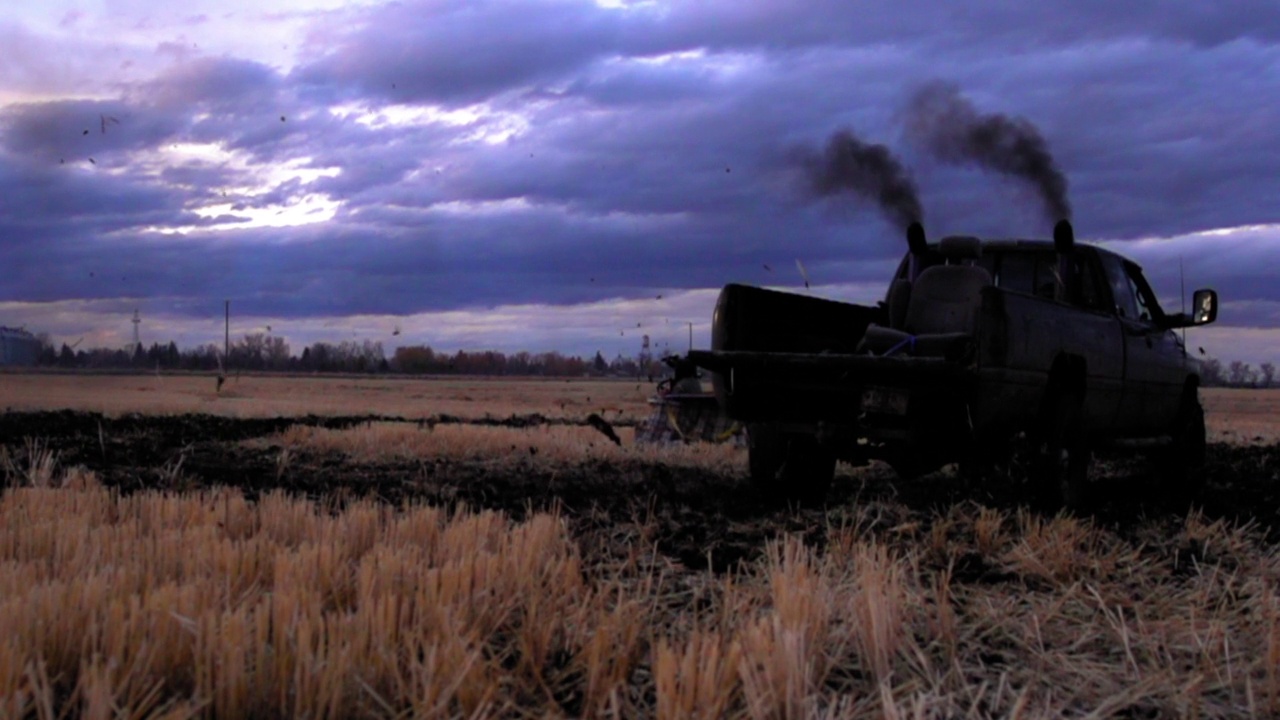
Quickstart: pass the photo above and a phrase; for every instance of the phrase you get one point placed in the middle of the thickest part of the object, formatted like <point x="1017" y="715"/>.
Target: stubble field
<point x="355" y="547"/>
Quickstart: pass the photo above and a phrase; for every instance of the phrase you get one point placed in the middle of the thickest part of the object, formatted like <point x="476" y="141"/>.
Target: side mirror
<point x="1204" y="307"/>
<point x="1204" y="310"/>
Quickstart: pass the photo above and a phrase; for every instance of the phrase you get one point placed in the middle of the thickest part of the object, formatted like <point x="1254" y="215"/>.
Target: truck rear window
<point x="1033" y="273"/>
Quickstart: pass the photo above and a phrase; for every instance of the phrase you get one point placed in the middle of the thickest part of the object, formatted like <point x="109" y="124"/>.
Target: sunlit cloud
<point x="239" y="203"/>
<point x="482" y="207"/>
<point x="399" y="115"/>
<point x="304" y="210"/>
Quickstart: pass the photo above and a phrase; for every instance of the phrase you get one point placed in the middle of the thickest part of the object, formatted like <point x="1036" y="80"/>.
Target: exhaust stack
<point x="1064" y="243"/>
<point x="1064" y="237"/>
<point x="917" y="245"/>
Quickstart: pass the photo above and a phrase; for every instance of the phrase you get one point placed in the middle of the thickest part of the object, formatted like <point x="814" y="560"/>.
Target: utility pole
<point x="226" y="340"/>
<point x="690" y="337"/>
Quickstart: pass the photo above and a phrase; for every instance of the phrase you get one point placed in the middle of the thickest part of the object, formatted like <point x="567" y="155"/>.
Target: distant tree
<point x="520" y="363"/>
<point x="66" y="358"/>
<point x="373" y="354"/>
<point x="600" y="365"/>
<point x="1211" y="373"/>
<point x="276" y="353"/>
<point x="250" y="353"/>
<point x="623" y="366"/>
<point x="557" y="365"/>
<point x="421" y="359"/>
<point x="1268" y="371"/>
<point x="318" y="356"/>
<point x="487" y="362"/>
<point x="413" y="359"/>
<point x="1239" y="373"/>
<point x="48" y="353"/>
<point x="139" y="356"/>
<point x="204" y="357"/>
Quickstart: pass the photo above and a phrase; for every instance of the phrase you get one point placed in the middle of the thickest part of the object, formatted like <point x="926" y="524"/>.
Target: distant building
<point x="18" y="347"/>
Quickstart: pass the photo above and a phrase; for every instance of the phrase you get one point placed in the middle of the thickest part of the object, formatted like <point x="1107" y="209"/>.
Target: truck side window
<point x="1148" y="309"/>
<point x="1121" y="289"/>
<point x="1088" y="285"/>
<point x="1047" y="280"/>
<point x="1144" y="313"/>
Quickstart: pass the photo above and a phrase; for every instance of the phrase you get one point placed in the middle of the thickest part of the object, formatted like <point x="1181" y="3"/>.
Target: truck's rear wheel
<point x="766" y="453"/>
<point x="1061" y="470"/>
<point x="788" y="467"/>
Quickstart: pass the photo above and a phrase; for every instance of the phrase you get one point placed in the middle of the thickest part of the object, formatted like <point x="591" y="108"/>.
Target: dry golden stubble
<point x="274" y="608"/>
<point x="1239" y="416"/>
<point x="295" y="396"/>
<point x="36" y="467"/>
<point x="558" y="445"/>
<point x="283" y="606"/>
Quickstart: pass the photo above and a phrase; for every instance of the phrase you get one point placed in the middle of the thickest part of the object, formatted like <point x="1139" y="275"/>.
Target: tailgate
<point x="812" y="387"/>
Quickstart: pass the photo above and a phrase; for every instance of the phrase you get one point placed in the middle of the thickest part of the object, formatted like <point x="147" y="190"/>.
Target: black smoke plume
<point x="868" y="170"/>
<point x="945" y="122"/>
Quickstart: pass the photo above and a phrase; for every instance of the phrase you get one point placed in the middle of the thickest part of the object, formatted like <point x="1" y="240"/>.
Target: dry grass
<point x="202" y="604"/>
<point x="498" y="447"/>
<point x="274" y="396"/>
<point x="1240" y="416"/>
<point x="37" y="467"/>
<point x="205" y="604"/>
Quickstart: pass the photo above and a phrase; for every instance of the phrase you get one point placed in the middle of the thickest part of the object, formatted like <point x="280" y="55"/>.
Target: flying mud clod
<point x="604" y="427"/>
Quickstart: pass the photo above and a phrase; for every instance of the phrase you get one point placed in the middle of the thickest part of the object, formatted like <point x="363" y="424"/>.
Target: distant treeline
<point x="1236" y="374"/>
<point x="261" y="352"/>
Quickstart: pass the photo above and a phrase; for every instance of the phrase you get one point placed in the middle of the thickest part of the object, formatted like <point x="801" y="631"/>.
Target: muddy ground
<point x="695" y="517"/>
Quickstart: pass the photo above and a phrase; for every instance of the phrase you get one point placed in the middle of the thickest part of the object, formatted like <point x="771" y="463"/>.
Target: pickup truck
<point x="979" y="347"/>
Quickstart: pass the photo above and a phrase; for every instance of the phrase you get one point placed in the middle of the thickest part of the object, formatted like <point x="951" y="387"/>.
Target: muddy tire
<point x="1061" y="468"/>
<point x="1180" y="467"/>
<point x="906" y="468"/>
<point x="766" y="453"/>
<point x="987" y="464"/>
<point x="789" y="468"/>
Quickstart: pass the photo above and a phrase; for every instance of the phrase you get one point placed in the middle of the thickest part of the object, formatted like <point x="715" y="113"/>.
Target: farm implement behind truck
<point x="684" y="413"/>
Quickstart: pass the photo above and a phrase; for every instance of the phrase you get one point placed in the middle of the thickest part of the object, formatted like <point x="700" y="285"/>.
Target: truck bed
<point x="782" y="356"/>
<point x="795" y="362"/>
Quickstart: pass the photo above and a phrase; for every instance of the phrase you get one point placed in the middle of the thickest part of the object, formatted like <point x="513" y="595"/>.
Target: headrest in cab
<point x="960" y="247"/>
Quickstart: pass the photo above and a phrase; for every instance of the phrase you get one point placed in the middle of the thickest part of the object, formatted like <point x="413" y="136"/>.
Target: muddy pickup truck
<point x="979" y="348"/>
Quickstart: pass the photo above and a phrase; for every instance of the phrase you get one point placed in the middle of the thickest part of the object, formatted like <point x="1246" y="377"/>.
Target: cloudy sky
<point x="569" y="175"/>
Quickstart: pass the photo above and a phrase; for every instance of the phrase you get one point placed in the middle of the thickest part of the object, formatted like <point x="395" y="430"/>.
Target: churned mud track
<point x="696" y="517"/>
